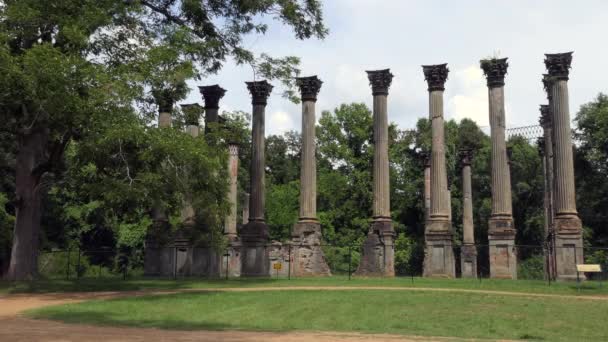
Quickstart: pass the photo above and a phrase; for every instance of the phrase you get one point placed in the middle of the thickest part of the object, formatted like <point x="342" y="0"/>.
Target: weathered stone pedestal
<point x="307" y="253"/>
<point x="503" y="255"/>
<point x="378" y="254"/>
<point x="230" y="266"/>
<point x="468" y="261"/>
<point x="439" y="253"/>
<point x="568" y="247"/>
<point x="255" y="250"/>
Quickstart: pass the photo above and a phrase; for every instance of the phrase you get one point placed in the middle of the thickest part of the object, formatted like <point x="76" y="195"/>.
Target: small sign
<point x="588" y="268"/>
<point x="277" y="266"/>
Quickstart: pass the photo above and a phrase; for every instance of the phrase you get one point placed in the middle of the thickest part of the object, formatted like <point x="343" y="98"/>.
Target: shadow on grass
<point x="82" y="314"/>
<point x="96" y="285"/>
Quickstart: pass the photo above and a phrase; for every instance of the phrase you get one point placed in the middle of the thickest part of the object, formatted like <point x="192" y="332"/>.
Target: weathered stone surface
<point x="307" y="253"/>
<point x="377" y="256"/>
<point x="468" y="261"/>
<point x="438" y="254"/>
<point x="233" y="169"/>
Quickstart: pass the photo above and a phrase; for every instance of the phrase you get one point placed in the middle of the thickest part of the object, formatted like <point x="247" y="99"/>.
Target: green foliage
<point x="7" y="222"/>
<point x="282" y="209"/>
<point x="342" y="259"/>
<point x="591" y="168"/>
<point x="404" y="254"/>
<point x="531" y="268"/>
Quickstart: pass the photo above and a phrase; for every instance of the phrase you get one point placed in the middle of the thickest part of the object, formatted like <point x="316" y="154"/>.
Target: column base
<point x="502" y="253"/>
<point x="231" y="260"/>
<point x="468" y="261"/>
<point x="156" y="239"/>
<point x="378" y="255"/>
<point x="438" y="253"/>
<point x="568" y="247"/>
<point x="308" y="259"/>
<point x="255" y="252"/>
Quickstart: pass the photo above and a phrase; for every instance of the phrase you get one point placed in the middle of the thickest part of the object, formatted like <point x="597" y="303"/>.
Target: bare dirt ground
<point x="14" y="327"/>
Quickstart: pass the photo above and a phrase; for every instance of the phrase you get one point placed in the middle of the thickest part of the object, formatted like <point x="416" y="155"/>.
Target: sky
<point x="403" y="35"/>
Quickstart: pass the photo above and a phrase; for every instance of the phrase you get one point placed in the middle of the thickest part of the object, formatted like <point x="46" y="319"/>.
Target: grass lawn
<point x="92" y="284"/>
<point x="371" y="311"/>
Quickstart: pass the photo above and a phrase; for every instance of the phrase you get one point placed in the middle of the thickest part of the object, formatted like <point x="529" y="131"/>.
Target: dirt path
<point x="13" y="327"/>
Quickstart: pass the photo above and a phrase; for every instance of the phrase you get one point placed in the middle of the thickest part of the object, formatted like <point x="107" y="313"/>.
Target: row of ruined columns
<point x="563" y="228"/>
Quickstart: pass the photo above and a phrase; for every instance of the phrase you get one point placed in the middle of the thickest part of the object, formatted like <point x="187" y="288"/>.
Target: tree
<point x="591" y="168"/>
<point x="70" y="65"/>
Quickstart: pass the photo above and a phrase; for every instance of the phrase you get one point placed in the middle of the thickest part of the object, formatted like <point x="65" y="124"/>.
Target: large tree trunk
<point x="29" y="169"/>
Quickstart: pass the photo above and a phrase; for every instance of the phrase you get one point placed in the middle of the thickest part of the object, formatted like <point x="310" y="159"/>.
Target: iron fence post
<point x="67" y="271"/>
<point x="350" y="258"/>
<point x="78" y="264"/>
<point x="289" y="264"/>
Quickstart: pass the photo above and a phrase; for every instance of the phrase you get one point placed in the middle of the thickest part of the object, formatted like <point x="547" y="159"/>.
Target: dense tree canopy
<point x="74" y="68"/>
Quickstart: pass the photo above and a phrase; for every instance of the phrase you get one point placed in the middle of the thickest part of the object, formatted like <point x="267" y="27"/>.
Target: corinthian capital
<point x="495" y="71"/>
<point x="436" y="75"/>
<point x="380" y="80"/>
<point x="558" y="64"/>
<point x="260" y="90"/>
<point x="212" y="95"/>
<point x="309" y="87"/>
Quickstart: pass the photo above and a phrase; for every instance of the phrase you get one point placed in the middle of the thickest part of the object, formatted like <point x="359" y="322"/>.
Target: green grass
<point x="370" y="311"/>
<point x="92" y="284"/>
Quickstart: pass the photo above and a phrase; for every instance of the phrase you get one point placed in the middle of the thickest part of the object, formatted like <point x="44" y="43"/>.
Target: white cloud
<point x="278" y="122"/>
<point x="471" y="99"/>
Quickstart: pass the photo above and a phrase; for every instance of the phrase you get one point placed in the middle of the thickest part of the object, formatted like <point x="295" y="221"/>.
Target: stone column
<point x="156" y="237"/>
<point x="308" y="256"/>
<point x="212" y="95"/>
<point x="378" y="249"/>
<point x="568" y="226"/>
<point x="233" y="171"/>
<point x="245" y="218"/>
<point x="501" y="231"/>
<point x="254" y="235"/>
<point x="545" y="145"/>
<point x="191" y="114"/>
<point x="439" y="255"/>
<point x="468" y="253"/>
<point x="427" y="186"/>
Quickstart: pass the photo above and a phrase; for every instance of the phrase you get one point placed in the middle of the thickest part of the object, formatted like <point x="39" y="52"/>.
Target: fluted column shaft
<point x="258" y="178"/>
<point x="381" y="203"/>
<point x="245" y="217"/>
<point x="427" y="187"/>
<point x="308" y="167"/>
<point x="548" y="165"/>
<point x="565" y="199"/>
<point x="501" y="177"/>
<point x="233" y="169"/>
<point x="439" y="203"/>
<point x="467" y="206"/>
